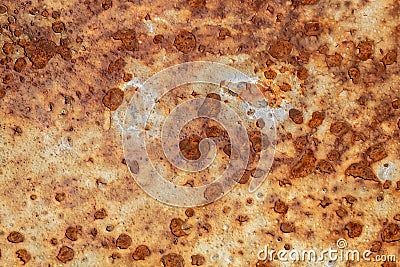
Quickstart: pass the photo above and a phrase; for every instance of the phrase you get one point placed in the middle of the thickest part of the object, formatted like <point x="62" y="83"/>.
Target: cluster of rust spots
<point x="16" y="238"/>
<point x="39" y="50"/>
<point x="363" y="169"/>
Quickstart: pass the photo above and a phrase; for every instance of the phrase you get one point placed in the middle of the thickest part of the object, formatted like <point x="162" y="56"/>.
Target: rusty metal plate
<point x="199" y="133"/>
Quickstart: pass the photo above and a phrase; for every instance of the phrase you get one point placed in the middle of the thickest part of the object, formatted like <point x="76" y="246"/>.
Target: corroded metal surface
<point x="328" y="69"/>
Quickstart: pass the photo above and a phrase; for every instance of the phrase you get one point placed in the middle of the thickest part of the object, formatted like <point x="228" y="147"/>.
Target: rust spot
<point x="172" y="260"/>
<point x="270" y="74"/>
<point x="334" y="60"/>
<point x="285" y="87"/>
<point x="176" y="227"/>
<point x="376" y="246"/>
<point x="3" y="9"/>
<point x="287" y="227"/>
<point x="333" y="155"/>
<point x="360" y="170"/>
<point x="53" y="241"/>
<point x="65" y="254"/>
<point x="124" y="241"/>
<point x="300" y="142"/>
<point x="185" y="41"/>
<point x="40" y="52"/>
<point x="15" y="237"/>
<point x="141" y="253"/>
<point x="280" y="207"/>
<point x="58" y="26"/>
<point x="317" y="118"/>
<point x="245" y="177"/>
<point x="280" y="49"/>
<point x="325" y="202"/>
<point x="72" y="232"/>
<point x="116" y="66"/>
<point x="312" y="28"/>
<point x="396" y="104"/>
<point x="23" y="255"/>
<point x="339" y="128"/>
<point x="354" y="229"/>
<point x="354" y="74"/>
<point x="302" y="73"/>
<point x="325" y="166"/>
<point x="296" y="116"/>
<point x="365" y="50"/>
<point x="100" y="214"/>
<point x="128" y="39"/>
<point x="376" y="152"/>
<point x="341" y="212"/>
<point x="113" y="99"/>
<point x="350" y="199"/>
<point x="60" y="196"/>
<point x="198" y="259"/>
<point x="8" y="48"/>
<point x="210" y="107"/>
<point x="189" y="212"/>
<point x="390" y="57"/>
<point x="20" y="64"/>
<point x="223" y="33"/>
<point x="387" y="184"/>
<point x="158" y="39"/>
<point x="308" y="2"/>
<point x="242" y="218"/>
<point x="196" y="3"/>
<point x="127" y="77"/>
<point x="190" y="147"/>
<point x="391" y="233"/>
<point x="305" y="165"/>
<point x="107" y="4"/>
